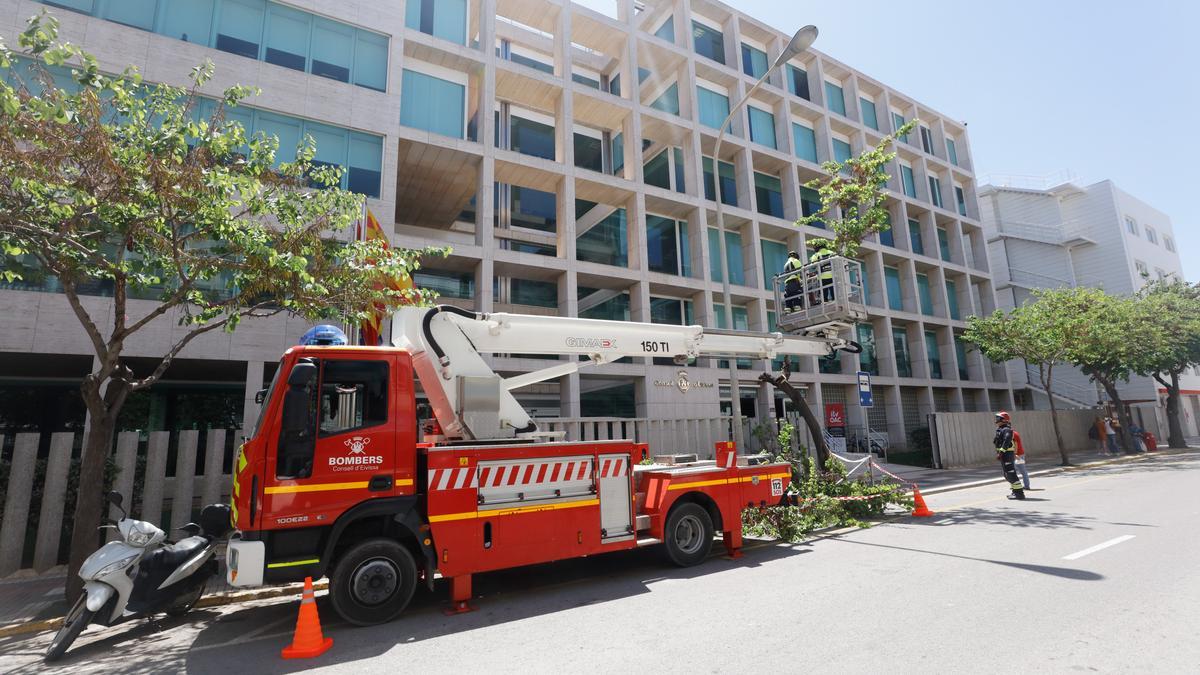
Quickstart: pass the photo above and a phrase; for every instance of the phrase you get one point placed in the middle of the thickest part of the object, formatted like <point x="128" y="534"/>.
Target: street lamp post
<point x="801" y="41"/>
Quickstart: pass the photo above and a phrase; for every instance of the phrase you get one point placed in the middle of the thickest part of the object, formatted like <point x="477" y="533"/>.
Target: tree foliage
<point x="112" y="184"/>
<point x="1173" y="308"/>
<point x="853" y="201"/>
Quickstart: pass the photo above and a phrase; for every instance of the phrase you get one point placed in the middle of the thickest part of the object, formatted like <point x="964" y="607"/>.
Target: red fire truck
<point x="335" y="479"/>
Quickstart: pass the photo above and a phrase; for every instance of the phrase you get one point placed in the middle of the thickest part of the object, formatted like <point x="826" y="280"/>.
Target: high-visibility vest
<point x="819" y="256"/>
<point x="793" y="265"/>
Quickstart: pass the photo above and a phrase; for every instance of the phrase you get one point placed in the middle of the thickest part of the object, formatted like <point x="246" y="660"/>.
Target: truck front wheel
<point x="373" y="582"/>
<point x="688" y="535"/>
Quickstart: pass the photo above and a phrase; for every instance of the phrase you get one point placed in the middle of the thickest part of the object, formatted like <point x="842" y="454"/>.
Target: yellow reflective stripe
<point x="404" y="482"/>
<point x="293" y="563"/>
<point x="316" y="487"/>
<point x="512" y="511"/>
<point x="765" y="476"/>
<point x="699" y="483"/>
<point x="241" y="463"/>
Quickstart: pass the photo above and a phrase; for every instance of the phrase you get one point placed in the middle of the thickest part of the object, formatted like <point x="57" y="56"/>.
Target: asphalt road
<point x="1098" y="571"/>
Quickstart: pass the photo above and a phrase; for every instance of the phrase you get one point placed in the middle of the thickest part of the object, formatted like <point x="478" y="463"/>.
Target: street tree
<point x="1037" y="332"/>
<point x="1172" y="308"/>
<point x="853" y="206"/>
<point x="110" y="183"/>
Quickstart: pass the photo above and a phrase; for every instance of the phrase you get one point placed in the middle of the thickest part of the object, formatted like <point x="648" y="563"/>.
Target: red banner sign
<point x="835" y="415"/>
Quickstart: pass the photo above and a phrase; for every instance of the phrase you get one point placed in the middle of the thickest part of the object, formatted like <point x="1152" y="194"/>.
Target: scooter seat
<point x="174" y="555"/>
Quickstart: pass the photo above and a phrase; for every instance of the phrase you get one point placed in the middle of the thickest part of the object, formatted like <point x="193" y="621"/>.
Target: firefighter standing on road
<point x="1005" y="453"/>
<point x="791" y="290"/>
<point x="825" y="273"/>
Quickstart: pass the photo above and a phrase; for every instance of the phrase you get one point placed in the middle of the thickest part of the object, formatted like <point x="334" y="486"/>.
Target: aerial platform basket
<point x="826" y="297"/>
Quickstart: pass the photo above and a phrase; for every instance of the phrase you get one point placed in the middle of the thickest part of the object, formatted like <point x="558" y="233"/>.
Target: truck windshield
<point x="262" y="409"/>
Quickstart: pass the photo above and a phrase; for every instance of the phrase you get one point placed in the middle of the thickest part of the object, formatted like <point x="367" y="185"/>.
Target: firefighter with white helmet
<point x="1006" y="454"/>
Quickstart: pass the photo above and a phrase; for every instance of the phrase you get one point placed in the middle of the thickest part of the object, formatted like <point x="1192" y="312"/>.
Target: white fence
<point x="165" y="500"/>
<point x="965" y="439"/>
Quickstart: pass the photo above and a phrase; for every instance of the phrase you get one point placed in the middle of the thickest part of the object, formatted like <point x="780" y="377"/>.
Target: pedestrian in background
<point x="1006" y="453"/>
<point x="1111" y="434"/>
<point x="1019" y="460"/>
<point x="1096" y="433"/>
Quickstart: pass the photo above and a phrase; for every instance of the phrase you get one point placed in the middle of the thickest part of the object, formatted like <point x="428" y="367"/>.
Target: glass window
<point x="288" y="130"/>
<point x="774" y="255"/>
<point x="671" y="311"/>
<point x="768" y="192"/>
<point x="798" y="82"/>
<point x="1131" y="225"/>
<point x="445" y="19"/>
<point x="531" y="138"/>
<point x="805" y="140"/>
<point x="943" y="244"/>
<point x="754" y="61"/>
<point x="240" y="27"/>
<point x="714" y="107"/>
<point x="136" y="13"/>
<point x="287" y="37"/>
<point x="187" y="20"/>
<point x="900" y="344"/>
<point x="952" y="299"/>
<point x="728" y="183"/>
<point x="952" y="152"/>
<point x="926" y="140"/>
<point x="589" y="152"/>
<point x="897" y="122"/>
<point x="935" y="191"/>
<point x="762" y="127"/>
<point x="331" y="144"/>
<point x="835" y="100"/>
<point x="841" y="151"/>
<point x="961" y="200"/>
<point x="910" y="183"/>
<point x="666" y="245"/>
<point x="708" y="42"/>
<point x="371" y="61"/>
<point x="887" y="237"/>
<point x="866" y="283"/>
<point x="447" y="284"/>
<point x="85" y="6"/>
<point x="891" y="277"/>
<point x="810" y="204"/>
<point x="606" y="242"/>
<point x="366" y="164"/>
<point x="914" y="237"/>
<point x="531" y="62"/>
<point x="668" y="101"/>
<point x="657" y="171"/>
<point x="868" y="113"/>
<point x="614" y="85"/>
<point x="960" y="351"/>
<point x="924" y="295"/>
<point x="1169" y="243"/>
<point x="432" y="104"/>
<point x="733" y="255"/>
<point x="868" y="359"/>
<point x="933" y="352"/>
<point x="667" y="30"/>
<point x="533" y="293"/>
<point x="680" y="186"/>
<point x="353" y="395"/>
<point x="1151" y="235"/>
<point x="534" y="209"/>
<point x="618" y="154"/>
<point x="585" y="80"/>
<point x="332" y="50"/>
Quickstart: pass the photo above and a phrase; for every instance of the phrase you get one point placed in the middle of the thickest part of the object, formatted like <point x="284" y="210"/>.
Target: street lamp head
<point x="801" y="41"/>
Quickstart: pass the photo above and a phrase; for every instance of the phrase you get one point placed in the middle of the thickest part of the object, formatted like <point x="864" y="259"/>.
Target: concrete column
<point x="484" y="274"/>
<point x="568" y="395"/>
<point x="254" y="383"/>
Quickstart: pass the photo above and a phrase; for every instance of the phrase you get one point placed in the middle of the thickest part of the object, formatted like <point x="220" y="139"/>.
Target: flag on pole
<point x="372" y="326"/>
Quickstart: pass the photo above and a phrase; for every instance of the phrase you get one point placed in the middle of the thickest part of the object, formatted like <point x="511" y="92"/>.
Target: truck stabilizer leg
<point x="733" y="543"/>
<point x="460" y="595"/>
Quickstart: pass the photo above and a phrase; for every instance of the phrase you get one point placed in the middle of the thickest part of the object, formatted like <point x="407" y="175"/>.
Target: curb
<point x="1057" y="469"/>
<point x="210" y="601"/>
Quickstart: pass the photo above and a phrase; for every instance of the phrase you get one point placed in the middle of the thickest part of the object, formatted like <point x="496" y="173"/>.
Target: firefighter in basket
<point x="792" y="292"/>
<point x="823" y="290"/>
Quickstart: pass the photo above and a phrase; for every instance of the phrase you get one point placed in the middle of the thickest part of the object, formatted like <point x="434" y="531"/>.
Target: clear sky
<point x="1099" y="88"/>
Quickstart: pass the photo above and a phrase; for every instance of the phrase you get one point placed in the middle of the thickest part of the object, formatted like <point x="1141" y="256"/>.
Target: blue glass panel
<point x="914" y="237"/>
<point x="810" y="203"/>
<point x="798" y="82"/>
<point x="952" y="151"/>
<point x="332" y="49"/>
<point x="534" y="209"/>
<point x="668" y="101"/>
<point x="288" y="130"/>
<point x="708" y="42"/>
<point x="714" y="107"/>
<point x="85" y="6"/>
<point x="924" y="295"/>
<point x="805" y="140"/>
<point x="667" y="30"/>
<point x="614" y="85"/>
<point x="366" y="164"/>
<point x="868" y="113"/>
<point x="450" y="20"/>
<point x="532" y="138"/>
<point x="187" y="20"/>
<point x="728" y="183"/>
<point x="663" y="254"/>
<point x="960" y="351"/>
<point x="910" y="183"/>
<point x="618" y="153"/>
<point x="432" y="104"/>
<point x="952" y="299"/>
<point x="762" y="127"/>
<point x="933" y="353"/>
<point x="136" y="13"/>
<point x="733" y="255"/>
<point x="943" y="244"/>
<point x="240" y="27"/>
<point x="287" y="37"/>
<point x="891" y="277"/>
<point x="835" y="100"/>
<point x="606" y="243"/>
<point x="585" y="80"/>
<point x="371" y="60"/>
<point x="754" y="61"/>
<point x="774" y="255"/>
<point x="768" y="192"/>
<point x="841" y="151"/>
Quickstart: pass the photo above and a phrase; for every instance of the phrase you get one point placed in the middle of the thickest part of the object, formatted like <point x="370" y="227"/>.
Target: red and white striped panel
<point x="614" y="467"/>
<point x="527" y="473"/>
<point x="452" y="479"/>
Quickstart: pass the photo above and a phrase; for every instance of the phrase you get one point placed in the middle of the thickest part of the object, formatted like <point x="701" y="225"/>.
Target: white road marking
<point x="1098" y="547"/>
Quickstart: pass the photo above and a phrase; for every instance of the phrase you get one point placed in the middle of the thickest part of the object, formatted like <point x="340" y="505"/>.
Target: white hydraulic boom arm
<point x="472" y="402"/>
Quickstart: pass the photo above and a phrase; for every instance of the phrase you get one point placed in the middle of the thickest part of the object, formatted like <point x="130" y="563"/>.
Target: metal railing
<point x="1058" y="234"/>
<point x="826" y="293"/>
<point x="1073" y="393"/>
<point x="1031" y="279"/>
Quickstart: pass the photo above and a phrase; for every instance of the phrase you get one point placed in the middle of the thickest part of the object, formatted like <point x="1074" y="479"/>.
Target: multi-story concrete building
<point x="565" y="155"/>
<point x="1069" y="234"/>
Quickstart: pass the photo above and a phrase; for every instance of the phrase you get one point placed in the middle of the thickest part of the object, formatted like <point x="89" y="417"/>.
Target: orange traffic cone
<point x="308" y="640"/>
<point x="919" y="510"/>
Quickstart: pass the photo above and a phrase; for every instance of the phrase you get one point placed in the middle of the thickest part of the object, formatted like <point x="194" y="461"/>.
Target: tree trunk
<point x="1174" y="425"/>
<point x="89" y="504"/>
<point x="810" y="420"/>
<point x="1048" y="383"/>
<point x="1122" y="414"/>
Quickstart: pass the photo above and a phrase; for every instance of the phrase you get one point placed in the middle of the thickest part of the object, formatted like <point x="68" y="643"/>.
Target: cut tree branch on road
<point x="110" y="186"/>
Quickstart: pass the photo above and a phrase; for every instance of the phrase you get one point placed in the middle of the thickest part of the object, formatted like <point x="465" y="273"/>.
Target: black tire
<point x="688" y="536"/>
<point x="186" y="603"/>
<point x="76" y="620"/>
<point x="372" y="582"/>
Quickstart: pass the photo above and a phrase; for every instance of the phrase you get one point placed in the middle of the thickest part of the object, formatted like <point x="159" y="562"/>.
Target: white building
<point x="1082" y="235"/>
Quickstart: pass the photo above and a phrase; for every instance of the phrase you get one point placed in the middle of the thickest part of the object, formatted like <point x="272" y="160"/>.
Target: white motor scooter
<point x="140" y="575"/>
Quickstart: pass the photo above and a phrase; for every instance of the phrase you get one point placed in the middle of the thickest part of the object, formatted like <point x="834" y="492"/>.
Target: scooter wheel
<point x="186" y="603"/>
<point x="77" y="619"/>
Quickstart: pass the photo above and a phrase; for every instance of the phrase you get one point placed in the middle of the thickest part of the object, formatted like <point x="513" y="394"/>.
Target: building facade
<point x="1069" y="235"/>
<point x="566" y="156"/>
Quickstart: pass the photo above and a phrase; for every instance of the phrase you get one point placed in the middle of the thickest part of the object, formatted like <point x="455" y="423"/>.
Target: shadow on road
<point x="1061" y="572"/>
<point x="1011" y="518"/>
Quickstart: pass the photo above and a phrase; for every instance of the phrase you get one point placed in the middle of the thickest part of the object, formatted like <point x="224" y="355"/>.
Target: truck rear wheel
<point x="373" y="582"/>
<point x="688" y="535"/>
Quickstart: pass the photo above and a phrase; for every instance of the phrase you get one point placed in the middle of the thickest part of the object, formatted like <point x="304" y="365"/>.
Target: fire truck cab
<point x="340" y="477"/>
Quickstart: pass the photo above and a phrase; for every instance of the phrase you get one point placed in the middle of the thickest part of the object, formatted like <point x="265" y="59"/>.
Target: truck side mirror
<point x="302" y="373"/>
<point x="260" y="396"/>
